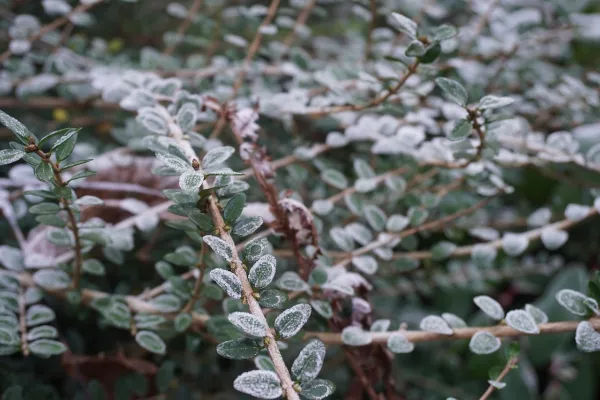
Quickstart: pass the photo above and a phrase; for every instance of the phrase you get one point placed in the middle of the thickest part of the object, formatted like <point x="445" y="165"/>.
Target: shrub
<point x="304" y="200"/>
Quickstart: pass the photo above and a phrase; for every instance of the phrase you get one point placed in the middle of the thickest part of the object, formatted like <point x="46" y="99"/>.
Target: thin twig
<point x="300" y="21"/>
<point x="372" y="26"/>
<point x="185" y="24"/>
<point x="23" y="321"/>
<point x="512" y="362"/>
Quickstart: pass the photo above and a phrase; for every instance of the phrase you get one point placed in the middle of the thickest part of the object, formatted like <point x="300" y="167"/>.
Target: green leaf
<point x="272" y="298"/>
<point x="453" y="90"/>
<point x="432" y="52"/>
<point x="64" y="192"/>
<point x="234" y="208"/>
<point x="52" y="279"/>
<point x="445" y="32"/>
<point x="165" y="375"/>
<point x="81" y="175"/>
<point x="44" y="208"/>
<point x="260" y="384"/>
<point x="262" y="272"/>
<point x="10" y="156"/>
<point x="415" y="49"/>
<point x="461" y="130"/>
<point x="42" y="332"/>
<point x="404" y="24"/>
<point x="38" y="314"/>
<point x="309" y="362"/>
<point x="45" y="194"/>
<point x="44" y="172"/>
<point x="246" y="226"/>
<point x="334" y="178"/>
<point x="289" y="322"/>
<point x="166" y="303"/>
<point x="183" y="322"/>
<point x="54" y="134"/>
<point x="217" y="156"/>
<point x="64" y="146"/>
<point x="93" y="266"/>
<point x="239" y="349"/>
<point x="74" y="164"/>
<point x="151" y="342"/>
<point x="16" y="127"/>
<point x="47" y="348"/>
<point x="317" y="389"/>
<point x="9" y="337"/>
<point x="190" y="181"/>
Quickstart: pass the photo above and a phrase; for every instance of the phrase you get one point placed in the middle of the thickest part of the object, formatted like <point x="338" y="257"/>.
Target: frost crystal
<point x="489" y="306"/>
<point x="263" y="271"/>
<point x="575" y="302"/>
<point x="538" y="315"/>
<point x="553" y="238"/>
<point x="514" y="244"/>
<point x="454" y="321"/>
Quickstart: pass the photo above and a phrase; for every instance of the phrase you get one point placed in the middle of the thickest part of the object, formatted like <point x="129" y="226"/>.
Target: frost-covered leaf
<point x="491" y="102"/>
<point x="575" y="302"/>
<point x="341" y="238"/>
<point x="365" y="264"/>
<point x="39" y="314"/>
<point x="174" y="162"/>
<point x="483" y="255"/>
<point x="22" y="133"/>
<point x="259" y="383"/>
<point x="453" y="90"/>
<point x="553" y="238"/>
<point x="397" y="223"/>
<point x="539" y="316"/>
<point x="514" y="244"/>
<point x="322" y="207"/>
<point x="254" y="249"/>
<point x="415" y="49"/>
<point x="272" y="298"/>
<point x="11" y="258"/>
<point x="263" y="271"/>
<point x="442" y="250"/>
<point x="445" y="32"/>
<point x="151" y="342"/>
<point x="433" y="323"/>
<point x="42" y="332"/>
<point x="10" y="156"/>
<point x="404" y="24"/>
<point x="308" y="364"/>
<point x="166" y="303"/>
<point x="52" y="279"/>
<point x="186" y="116"/>
<point x="334" y="178"/>
<point x="289" y="322"/>
<point x="47" y="348"/>
<point x="489" y="306"/>
<point x="380" y="325"/>
<point x="153" y="120"/>
<point x="317" y="389"/>
<point x="461" y="130"/>
<point x="190" y="181"/>
<point x="587" y="338"/>
<point x="234" y="208"/>
<point x="454" y="321"/>
<point x="323" y="308"/>
<point x="522" y="321"/>
<point x="219" y="246"/>
<point x="246" y="226"/>
<point x="292" y="281"/>
<point x="497" y="384"/>
<point x="239" y="349"/>
<point x="248" y="323"/>
<point x="359" y="233"/>
<point x="576" y="212"/>
<point x="356" y="336"/>
<point x="397" y="343"/>
<point x="217" y="156"/>
<point x="484" y="342"/>
<point x="375" y="217"/>
<point x="228" y="281"/>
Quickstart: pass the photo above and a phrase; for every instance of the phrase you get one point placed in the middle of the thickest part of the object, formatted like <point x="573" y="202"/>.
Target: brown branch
<point x="360" y="374"/>
<point x="185" y="24"/>
<point x="57" y="23"/>
<point x="512" y="362"/>
<point x="23" y="321"/>
<point x="300" y="21"/>
<point x="461" y="333"/>
<point x="254" y="46"/>
<point x="373" y="103"/>
<point x="372" y="26"/>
